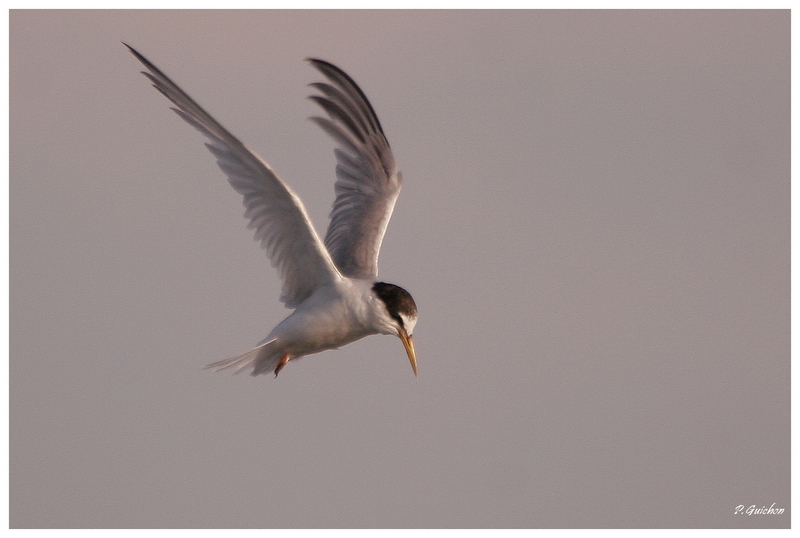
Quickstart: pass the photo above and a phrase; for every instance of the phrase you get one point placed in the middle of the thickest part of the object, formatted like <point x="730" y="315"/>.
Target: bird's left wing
<point x="368" y="180"/>
<point x="276" y="213"/>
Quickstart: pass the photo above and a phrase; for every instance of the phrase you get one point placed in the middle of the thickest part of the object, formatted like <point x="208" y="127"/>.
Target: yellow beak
<point x="408" y="343"/>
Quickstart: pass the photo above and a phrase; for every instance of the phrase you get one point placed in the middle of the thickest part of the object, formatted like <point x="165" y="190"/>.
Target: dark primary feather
<point x="343" y="80"/>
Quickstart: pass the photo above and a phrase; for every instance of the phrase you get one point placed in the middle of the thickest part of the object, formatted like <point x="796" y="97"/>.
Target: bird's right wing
<point x="368" y="180"/>
<point x="276" y="213"/>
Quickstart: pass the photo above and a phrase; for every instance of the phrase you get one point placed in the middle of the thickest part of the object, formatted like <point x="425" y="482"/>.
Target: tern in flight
<point x="332" y="285"/>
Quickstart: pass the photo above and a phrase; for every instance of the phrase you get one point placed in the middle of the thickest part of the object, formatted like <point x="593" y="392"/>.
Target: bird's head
<point x="402" y="316"/>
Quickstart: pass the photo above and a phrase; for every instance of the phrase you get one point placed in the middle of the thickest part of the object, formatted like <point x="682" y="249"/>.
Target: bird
<point x="332" y="286"/>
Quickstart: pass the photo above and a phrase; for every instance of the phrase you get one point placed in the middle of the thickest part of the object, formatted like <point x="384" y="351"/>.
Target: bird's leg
<point x="281" y="364"/>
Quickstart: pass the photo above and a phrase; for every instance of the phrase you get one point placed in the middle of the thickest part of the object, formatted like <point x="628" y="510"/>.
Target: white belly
<point x="332" y="317"/>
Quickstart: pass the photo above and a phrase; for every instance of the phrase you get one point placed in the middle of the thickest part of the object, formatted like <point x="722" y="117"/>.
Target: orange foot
<point x="281" y="364"/>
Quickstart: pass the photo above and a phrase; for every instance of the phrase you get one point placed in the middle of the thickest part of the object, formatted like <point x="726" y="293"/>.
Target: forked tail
<point x="265" y="357"/>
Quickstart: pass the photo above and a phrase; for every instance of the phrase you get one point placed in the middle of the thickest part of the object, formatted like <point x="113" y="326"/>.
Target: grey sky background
<point x="594" y="225"/>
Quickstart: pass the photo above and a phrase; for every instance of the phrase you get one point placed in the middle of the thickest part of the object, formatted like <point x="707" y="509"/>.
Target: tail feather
<point x="263" y="358"/>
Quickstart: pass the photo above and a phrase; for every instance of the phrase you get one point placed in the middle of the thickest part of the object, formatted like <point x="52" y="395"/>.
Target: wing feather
<point x="277" y="215"/>
<point x="368" y="181"/>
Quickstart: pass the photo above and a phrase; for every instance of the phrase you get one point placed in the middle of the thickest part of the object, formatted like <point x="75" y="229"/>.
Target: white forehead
<point x="408" y="323"/>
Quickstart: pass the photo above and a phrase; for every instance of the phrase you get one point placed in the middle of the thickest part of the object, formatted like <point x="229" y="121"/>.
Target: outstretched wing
<point x="368" y="180"/>
<point x="276" y="213"/>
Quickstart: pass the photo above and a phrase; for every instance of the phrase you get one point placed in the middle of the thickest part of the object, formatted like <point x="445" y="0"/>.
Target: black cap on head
<point x="398" y="301"/>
